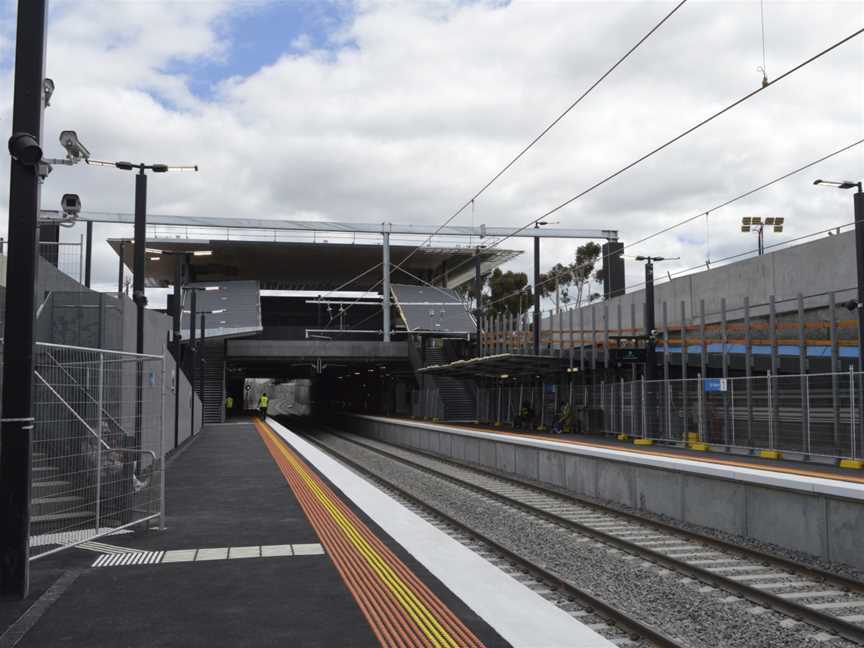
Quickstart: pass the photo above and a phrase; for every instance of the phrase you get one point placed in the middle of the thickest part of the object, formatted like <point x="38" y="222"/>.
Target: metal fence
<point x="98" y="444"/>
<point x="66" y="256"/>
<point x="811" y="414"/>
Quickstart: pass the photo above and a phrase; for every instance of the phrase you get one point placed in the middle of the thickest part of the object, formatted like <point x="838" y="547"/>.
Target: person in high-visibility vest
<point x="262" y="405"/>
<point x="229" y="406"/>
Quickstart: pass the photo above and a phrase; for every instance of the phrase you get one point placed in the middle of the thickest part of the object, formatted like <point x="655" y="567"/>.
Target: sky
<point x="399" y="112"/>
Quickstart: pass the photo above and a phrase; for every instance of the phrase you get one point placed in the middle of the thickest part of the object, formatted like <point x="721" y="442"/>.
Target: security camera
<point x="25" y="148"/>
<point x="75" y="150"/>
<point x="70" y="205"/>
<point x="851" y="305"/>
<point x="47" y="91"/>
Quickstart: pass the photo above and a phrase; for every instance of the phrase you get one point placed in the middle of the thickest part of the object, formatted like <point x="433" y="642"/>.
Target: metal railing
<point x="98" y="444"/>
<point x="66" y="256"/>
<point x="810" y="414"/>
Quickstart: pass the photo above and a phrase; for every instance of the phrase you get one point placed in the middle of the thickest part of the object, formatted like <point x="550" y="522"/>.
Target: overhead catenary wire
<point x="669" y="142"/>
<point x="715" y="208"/>
<point x="471" y="201"/>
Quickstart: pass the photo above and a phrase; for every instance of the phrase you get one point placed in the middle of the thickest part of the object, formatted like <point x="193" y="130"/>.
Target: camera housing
<point x="75" y="150"/>
<point x="25" y="148"/>
<point x="70" y="205"/>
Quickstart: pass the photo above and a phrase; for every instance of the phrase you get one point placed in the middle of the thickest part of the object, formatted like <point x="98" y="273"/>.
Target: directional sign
<point x="715" y="384"/>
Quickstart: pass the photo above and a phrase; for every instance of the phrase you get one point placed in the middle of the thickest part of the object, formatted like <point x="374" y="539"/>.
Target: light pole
<point x="537" y="225"/>
<point x="755" y="224"/>
<point x="858" y="206"/>
<point x="650" y="328"/>
<point x="193" y="345"/>
<point x="16" y="426"/>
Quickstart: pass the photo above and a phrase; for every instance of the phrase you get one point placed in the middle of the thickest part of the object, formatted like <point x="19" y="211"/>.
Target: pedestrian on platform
<point x="263" y="402"/>
<point x="229" y="406"/>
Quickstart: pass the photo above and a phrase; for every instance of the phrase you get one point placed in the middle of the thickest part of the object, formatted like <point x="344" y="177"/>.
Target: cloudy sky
<point x="399" y="112"/>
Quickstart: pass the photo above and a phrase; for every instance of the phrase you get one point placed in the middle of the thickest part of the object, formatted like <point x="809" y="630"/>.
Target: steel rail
<point x="816" y="618"/>
<point x="585" y="598"/>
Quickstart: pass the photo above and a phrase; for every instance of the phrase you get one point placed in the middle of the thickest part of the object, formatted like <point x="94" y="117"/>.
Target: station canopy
<point x="429" y="309"/>
<point x="288" y="265"/>
<point x="503" y="365"/>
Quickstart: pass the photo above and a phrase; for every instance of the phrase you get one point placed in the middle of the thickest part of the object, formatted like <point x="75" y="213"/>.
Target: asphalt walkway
<point x="239" y="564"/>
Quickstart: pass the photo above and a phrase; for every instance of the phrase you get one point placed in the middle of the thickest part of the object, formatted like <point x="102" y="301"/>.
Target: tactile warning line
<point x="400" y="608"/>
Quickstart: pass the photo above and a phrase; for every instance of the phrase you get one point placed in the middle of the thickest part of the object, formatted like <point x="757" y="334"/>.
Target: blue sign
<point x="715" y="384"/>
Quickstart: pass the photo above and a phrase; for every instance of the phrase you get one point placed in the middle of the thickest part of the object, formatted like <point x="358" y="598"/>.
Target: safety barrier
<point x="98" y="444"/>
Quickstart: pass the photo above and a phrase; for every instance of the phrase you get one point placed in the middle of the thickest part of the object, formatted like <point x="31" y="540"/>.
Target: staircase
<point x="456" y="396"/>
<point x="213" y="392"/>
<point x="55" y="504"/>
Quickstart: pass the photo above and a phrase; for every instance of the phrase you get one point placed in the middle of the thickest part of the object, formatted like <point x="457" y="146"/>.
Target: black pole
<point x="536" y="295"/>
<point x="858" y="200"/>
<point x="16" y="433"/>
<point x="176" y="342"/>
<point x="650" y="343"/>
<point x="200" y="367"/>
<point x="478" y="293"/>
<point x="138" y="295"/>
<point x="120" y="269"/>
<point x="194" y="357"/>
<point x="88" y="254"/>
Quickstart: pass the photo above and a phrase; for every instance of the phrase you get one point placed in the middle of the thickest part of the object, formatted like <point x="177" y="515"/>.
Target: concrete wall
<point x="819" y="266"/>
<point x="822" y="524"/>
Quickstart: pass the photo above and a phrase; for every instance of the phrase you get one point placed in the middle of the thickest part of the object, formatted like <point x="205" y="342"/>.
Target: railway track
<point x="610" y="622"/>
<point x="833" y="604"/>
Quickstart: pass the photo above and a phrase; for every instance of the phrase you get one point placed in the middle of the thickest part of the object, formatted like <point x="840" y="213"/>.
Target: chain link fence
<point x="98" y="444"/>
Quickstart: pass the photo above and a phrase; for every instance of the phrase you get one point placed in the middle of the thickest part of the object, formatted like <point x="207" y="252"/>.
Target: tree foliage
<point x="508" y="293"/>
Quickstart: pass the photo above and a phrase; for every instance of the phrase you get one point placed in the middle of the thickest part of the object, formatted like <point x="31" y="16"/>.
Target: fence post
<point x="542" y="427"/>
<point x="807" y="413"/>
<point x="162" y="450"/>
<point x="770" y="379"/>
<point x="622" y="406"/>
<point x="700" y="413"/>
<point x="644" y="413"/>
<point x="99" y="402"/>
<point x="852" y="439"/>
<point x="498" y="418"/>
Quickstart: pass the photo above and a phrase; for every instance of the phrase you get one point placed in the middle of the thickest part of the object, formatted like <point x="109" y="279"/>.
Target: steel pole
<point x="16" y="433"/>
<point x="536" y="295"/>
<point x="478" y="293"/>
<point x="650" y="345"/>
<point x="88" y="255"/>
<point x="858" y="200"/>
<point x="194" y="350"/>
<point x="177" y="342"/>
<point x="385" y="301"/>
<point x="138" y="295"/>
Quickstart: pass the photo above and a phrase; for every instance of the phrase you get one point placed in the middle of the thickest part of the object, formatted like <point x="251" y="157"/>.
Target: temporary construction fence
<point x="810" y="414"/>
<point x="98" y="444"/>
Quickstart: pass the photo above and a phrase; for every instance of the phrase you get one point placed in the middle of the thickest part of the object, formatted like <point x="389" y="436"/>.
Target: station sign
<point x="715" y="384"/>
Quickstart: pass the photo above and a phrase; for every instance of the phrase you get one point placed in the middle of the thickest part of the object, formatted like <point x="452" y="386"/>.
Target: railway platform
<point x="814" y="509"/>
<point x="270" y="542"/>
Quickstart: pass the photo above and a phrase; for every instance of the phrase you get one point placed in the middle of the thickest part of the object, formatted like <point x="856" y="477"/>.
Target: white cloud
<point x="420" y="103"/>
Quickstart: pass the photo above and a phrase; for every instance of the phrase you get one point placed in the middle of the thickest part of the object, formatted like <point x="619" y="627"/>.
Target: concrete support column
<point x="385" y="301"/>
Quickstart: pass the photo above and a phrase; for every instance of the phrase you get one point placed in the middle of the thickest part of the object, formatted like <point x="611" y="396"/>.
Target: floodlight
<point x="25" y="148"/>
<point x="47" y="91"/>
<point x="202" y="253"/>
<point x="778" y="228"/>
<point x="756" y="220"/>
<point x="745" y="220"/>
<point x="769" y="220"/>
<point x="779" y="220"/>
<point x="745" y="228"/>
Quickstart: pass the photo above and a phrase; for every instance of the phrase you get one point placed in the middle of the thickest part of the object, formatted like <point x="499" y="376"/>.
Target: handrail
<point x="86" y="393"/>
<point x="72" y="409"/>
